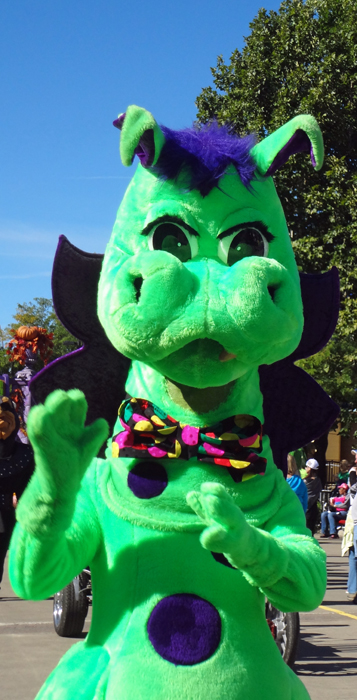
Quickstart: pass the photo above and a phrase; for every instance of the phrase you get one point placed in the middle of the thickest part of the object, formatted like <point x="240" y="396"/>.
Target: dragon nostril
<point x="138" y="281"/>
<point x="272" y="291"/>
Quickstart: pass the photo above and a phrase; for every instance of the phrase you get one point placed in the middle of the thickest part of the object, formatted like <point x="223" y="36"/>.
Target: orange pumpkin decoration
<point x="31" y="338"/>
<point x="28" y="333"/>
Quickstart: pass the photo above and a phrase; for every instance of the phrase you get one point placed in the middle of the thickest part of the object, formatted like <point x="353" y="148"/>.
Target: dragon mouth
<point x="208" y="348"/>
<point x="226" y="356"/>
<point x="201" y="363"/>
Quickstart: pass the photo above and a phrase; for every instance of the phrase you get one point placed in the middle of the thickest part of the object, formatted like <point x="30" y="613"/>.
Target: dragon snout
<point x="147" y="293"/>
<point x="272" y="290"/>
<point x="253" y="285"/>
<point x="137" y="284"/>
<point x="262" y="310"/>
<point x="158" y="305"/>
<point x="157" y="280"/>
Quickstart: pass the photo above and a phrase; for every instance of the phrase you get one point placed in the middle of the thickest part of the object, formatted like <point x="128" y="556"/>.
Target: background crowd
<point x="332" y="508"/>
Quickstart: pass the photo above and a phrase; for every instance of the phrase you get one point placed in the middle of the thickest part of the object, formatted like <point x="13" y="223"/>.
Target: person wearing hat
<point x="16" y="467"/>
<point x="339" y="506"/>
<point x="314" y="488"/>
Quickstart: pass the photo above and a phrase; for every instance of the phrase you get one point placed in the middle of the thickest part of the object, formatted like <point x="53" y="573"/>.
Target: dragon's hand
<point x="63" y="445"/>
<point x="227" y="530"/>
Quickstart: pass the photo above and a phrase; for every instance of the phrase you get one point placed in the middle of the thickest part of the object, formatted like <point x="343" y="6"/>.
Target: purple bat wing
<point x="296" y="408"/>
<point x="321" y="300"/>
<point x="96" y="368"/>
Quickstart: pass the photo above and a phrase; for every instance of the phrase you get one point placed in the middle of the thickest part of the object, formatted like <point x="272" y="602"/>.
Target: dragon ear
<point x="301" y="134"/>
<point x="140" y="135"/>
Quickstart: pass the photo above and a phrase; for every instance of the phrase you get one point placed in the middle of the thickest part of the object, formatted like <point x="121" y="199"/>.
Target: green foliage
<point x="303" y="59"/>
<point x="39" y="312"/>
<point x="4" y="362"/>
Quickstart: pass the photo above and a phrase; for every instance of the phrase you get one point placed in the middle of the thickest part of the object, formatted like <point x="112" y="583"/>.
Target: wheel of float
<point x="69" y="614"/>
<point x="292" y="621"/>
<point x="286" y="632"/>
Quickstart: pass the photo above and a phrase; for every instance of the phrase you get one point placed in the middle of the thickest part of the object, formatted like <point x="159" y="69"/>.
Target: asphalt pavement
<point x="327" y="657"/>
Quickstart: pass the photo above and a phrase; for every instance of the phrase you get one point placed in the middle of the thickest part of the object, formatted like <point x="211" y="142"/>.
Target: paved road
<point x="327" y="663"/>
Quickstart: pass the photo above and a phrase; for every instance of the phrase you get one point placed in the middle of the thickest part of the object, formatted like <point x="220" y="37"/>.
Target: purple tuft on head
<point x="201" y="155"/>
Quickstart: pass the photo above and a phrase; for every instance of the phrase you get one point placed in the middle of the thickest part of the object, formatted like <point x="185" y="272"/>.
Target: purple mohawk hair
<point x="200" y="155"/>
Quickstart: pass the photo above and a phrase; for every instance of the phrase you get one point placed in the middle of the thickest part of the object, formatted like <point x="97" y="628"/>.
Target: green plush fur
<point x="180" y="324"/>
<point x="197" y="332"/>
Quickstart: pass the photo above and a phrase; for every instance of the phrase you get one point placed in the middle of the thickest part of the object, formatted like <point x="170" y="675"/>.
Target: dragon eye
<point x="174" y="240"/>
<point x="242" y="244"/>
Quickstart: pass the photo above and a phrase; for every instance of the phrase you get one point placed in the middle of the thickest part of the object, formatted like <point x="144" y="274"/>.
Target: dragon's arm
<point x="52" y="541"/>
<point x="283" y="560"/>
<point x="291" y="566"/>
<point x="57" y="532"/>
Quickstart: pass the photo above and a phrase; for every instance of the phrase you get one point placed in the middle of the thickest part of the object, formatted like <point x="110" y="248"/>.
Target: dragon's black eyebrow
<point x="167" y="219"/>
<point x="249" y="224"/>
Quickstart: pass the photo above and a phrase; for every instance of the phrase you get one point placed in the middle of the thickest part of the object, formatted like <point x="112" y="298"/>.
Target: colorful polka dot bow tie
<point x="148" y="432"/>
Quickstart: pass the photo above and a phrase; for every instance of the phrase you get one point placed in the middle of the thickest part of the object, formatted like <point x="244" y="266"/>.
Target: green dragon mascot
<point x="187" y="523"/>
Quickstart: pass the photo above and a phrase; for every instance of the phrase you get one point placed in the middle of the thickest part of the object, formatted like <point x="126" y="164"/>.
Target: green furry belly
<point x="154" y="570"/>
<point x="120" y="662"/>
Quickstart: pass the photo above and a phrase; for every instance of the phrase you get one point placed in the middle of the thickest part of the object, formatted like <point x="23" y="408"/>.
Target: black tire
<point x="293" y="635"/>
<point x="69" y="614"/>
<point x="286" y="632"/>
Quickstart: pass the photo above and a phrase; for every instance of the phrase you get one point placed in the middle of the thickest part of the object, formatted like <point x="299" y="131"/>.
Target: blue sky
<point x="67" y="69"/>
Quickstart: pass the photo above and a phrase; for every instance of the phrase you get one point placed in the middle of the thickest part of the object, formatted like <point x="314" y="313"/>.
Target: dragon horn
<point x="299" y="134"/>
<point x="140" y="135"/>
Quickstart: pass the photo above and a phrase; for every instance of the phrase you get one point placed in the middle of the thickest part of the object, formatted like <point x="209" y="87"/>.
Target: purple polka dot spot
<point x="147" y="479"/>
<point x="184" y="629"/>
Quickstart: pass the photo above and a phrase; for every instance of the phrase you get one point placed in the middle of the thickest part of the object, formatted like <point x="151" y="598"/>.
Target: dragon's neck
<point x="196" y="406"/>
<point x="259" y="497"/>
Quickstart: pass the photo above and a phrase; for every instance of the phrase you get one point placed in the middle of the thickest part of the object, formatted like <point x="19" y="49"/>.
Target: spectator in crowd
<point x="16" y="467"/>
<point x="295" y="481"/>
<point x="314" y="487"/>
<point x="343" y="472"/>
<point x="300" y="459"/>
<point x="338" y="508"/>
<point x="352" y="476"/>
<point x="349" y="544"/>
<point x="352" y="558"/>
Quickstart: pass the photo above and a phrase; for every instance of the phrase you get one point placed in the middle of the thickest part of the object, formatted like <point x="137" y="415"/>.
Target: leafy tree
<point x="303" y="59"/>
<point x="39" y="312"/>
<point x="4" y="362"/>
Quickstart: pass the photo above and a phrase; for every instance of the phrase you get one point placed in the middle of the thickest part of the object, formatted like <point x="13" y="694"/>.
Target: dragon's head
<point x="199" y="279"/>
